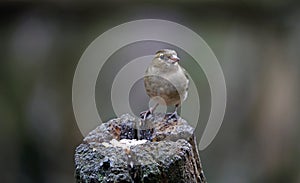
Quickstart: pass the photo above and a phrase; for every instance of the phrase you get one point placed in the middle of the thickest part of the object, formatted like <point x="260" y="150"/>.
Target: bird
<point x="166" y="82"/>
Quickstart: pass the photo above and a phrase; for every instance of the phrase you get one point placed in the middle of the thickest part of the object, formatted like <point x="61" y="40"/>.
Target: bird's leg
<point x="145" y="114"/>
<point x="174" y="115"/>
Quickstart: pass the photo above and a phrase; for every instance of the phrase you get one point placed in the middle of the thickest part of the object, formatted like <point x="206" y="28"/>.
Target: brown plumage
<point x="166" y="82"/>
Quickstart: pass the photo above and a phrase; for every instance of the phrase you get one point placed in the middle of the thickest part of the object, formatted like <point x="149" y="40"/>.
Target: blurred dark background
<point x="257" y="44"/>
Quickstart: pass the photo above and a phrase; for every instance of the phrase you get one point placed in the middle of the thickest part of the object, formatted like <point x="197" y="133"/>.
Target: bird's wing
<point x="187" y="77"/>
<point x="185" y="73"/>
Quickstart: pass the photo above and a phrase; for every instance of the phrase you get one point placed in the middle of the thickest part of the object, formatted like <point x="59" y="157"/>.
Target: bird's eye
<point x="161" y="57"/>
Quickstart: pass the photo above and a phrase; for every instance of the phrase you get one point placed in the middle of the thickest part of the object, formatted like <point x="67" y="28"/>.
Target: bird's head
<point x="167" y="55"/>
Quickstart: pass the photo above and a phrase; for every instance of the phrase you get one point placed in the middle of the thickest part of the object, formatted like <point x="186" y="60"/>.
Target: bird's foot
<point x="145" y="114"/>
<point x="173" y="116"/>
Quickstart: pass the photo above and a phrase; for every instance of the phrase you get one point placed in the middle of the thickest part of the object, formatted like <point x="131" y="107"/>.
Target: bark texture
<point x="166" y="153"/>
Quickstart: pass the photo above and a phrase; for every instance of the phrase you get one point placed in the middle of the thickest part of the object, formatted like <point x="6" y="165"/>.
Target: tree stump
<point x="166" y="153"/>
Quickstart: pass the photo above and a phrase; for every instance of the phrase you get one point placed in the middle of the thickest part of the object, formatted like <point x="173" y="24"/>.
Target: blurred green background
<point x="257" y="44"/>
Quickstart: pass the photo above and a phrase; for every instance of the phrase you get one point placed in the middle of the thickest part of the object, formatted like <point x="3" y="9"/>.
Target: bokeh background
<point x="257" y="44"/>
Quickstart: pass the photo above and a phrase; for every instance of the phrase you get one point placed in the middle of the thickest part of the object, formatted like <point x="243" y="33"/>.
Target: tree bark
<point x="166" y="153"/>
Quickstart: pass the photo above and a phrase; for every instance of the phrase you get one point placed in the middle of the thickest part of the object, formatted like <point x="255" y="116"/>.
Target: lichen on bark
<point x="167" y="154"/>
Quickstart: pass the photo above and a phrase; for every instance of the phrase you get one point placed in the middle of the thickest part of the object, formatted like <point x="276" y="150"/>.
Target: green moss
<point x="151" y="173"/>
<point x="100" y="177"/>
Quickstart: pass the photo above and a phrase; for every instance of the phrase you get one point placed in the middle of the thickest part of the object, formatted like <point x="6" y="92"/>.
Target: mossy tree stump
<point x="167" y="153"/>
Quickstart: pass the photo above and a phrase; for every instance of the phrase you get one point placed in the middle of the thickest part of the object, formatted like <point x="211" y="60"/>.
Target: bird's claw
<point x="173" y="116"/>
<point x="145" y="114"/>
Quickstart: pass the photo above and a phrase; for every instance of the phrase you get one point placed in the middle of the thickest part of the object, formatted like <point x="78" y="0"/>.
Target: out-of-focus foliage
<point x="256" y="42"/>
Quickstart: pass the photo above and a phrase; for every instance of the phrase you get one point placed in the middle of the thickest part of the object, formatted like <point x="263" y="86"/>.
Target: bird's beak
<point x="175" y="58"/>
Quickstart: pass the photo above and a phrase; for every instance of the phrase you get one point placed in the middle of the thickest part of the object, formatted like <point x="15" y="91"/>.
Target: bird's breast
<point x="171" y="87"/>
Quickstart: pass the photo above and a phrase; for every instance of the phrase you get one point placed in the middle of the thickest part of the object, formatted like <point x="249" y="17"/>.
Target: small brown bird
<point x="166" y="82"/>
